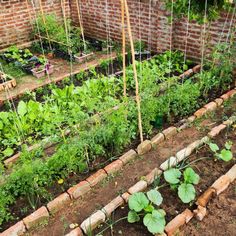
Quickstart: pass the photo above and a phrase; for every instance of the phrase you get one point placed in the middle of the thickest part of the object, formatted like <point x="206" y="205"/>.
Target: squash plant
<point x="183" y="182"/>
<point x="144" y="205"/>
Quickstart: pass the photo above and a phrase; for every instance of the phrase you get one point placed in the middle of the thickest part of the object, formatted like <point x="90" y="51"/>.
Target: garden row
<point x="178" y="174"/>
<point x="84" y="187"/>
<point x="108" y="135"/>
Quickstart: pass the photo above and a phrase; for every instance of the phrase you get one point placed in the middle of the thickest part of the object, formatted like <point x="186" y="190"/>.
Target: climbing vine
<point x="196" y="8"/>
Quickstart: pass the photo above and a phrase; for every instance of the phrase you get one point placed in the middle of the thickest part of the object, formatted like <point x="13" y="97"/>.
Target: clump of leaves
<point x="224" y="154"/>
<point x="183" y="182"/>
<point x="141" y="204"/>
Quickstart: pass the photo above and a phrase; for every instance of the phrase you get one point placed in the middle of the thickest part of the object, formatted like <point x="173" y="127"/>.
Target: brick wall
<point x="16" y="18"/>
<point x="103" y="17"/>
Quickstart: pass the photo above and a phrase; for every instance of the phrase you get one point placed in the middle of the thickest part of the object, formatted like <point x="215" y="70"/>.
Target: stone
<point x="15" y="230"/>
<point x="159" y="138"/>
<point x="79" y="190"/>
<point x="221" y="184"/>
<point x="114" y="167"/>
<point x="138" y="187"/>
<point x="200" y="213"/>
<point x="205" y="197"/>
<point x="58" y="202"/>
<point x="37" y="217"/>
<point x="93" y="222"/>
<point x="97" y="177"/>
<point x="169" y="132"/>
<point x="216" y="130"/>
<point x="144" y="147"/>
<point x="171" y="162"/>
<point x="231" y="174"/>
<point x="112" y="206"/>
<point x="128" y="156"/>
<point x="201" y="112"/>
<point x="149" y="178"/>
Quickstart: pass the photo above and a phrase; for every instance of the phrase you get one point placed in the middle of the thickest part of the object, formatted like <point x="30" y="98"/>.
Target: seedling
<point x="185" y="187"/>
<point x="224" y="154"/>
<point x="141" y="204"/>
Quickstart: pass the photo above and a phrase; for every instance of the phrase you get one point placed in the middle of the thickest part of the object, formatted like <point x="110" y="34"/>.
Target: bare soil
<point x="80" y="209"/>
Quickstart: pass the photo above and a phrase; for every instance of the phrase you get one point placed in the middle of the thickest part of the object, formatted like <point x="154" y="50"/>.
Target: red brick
<point x="36" y="218"/>
<point x="231" y="93"/>
<point x="169" y="132"/>
<point x="219" y="101"/>
<point x="216" y="130"/>
<point x="128" y="156"/>
<point x="16" y="230"/>
<point x="232" y="173"/>
<point x="112" y="206"/>
<point x="178" y="221"/>
<point x="58" y="202"/>
<point x="205" y="197"/>
<point x="125" y="196"/>
<point x="200" y="212"/>
<point x="114" y="167"/>
<point x="144" y="147"/>
<point x="138" y="187"/>
<point x="75" y="232"/>
<point x="199" y="113"/>
<point x="221" y="184"/>
<point x="79" y="190"/>
<point x="159" y="138"/>
<point x="196" y="69"/>
<point x="99" y="176"/>
<point x="211" y="106"/>
<point x="150" y="177"/>
<point x="225" y="96"/>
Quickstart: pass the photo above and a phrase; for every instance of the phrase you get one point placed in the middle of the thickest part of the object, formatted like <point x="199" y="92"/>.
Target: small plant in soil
<point x="144" y="205"/>
<point x="224" y="154"/>
<point x="183" y="182"/>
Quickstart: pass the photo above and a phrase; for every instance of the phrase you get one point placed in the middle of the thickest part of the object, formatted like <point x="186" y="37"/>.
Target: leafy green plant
<point x="197" y="9"/>
<point x="224" y="154"/>
<point x="143" y="205"/>
<point x="183" y="182"/>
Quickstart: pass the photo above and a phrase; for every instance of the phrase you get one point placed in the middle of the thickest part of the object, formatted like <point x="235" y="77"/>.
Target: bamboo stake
<point x="52" y="40"/>
<point x="135" y="71"/>
<point x="80" y="23"/>
<point x="44" y="22"/>
<point x="123" y="44"/>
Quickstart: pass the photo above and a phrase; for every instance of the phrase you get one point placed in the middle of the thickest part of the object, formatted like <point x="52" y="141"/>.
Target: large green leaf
<point x="186" y="192"/>
<point x="226" y="155"/>
<point x="155" y="197"/>
<point x="22" y="108"/>
<point x="133" y="217"/>
<point x="155" y="222"/>
<point x="190" y="176"/>
<point x="172" y="176"/>
<point x="138" y="201"/>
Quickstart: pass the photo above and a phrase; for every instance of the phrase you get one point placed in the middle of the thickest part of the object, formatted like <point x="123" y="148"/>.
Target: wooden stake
<point x="123" y="44"/>
<point x="80" y="23"/>
<point x="135" y="71"/>
<point x="44" y="22"/>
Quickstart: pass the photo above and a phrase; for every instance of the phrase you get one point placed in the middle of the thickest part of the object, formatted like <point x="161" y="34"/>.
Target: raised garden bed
<point x="6" y="82"/>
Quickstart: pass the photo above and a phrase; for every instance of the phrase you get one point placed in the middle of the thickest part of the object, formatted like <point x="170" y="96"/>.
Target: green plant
<point x="141" y="204"/>
<point x="224" y="154"/>
<point x="196" y="10"/>
<point x="183" y="182"/>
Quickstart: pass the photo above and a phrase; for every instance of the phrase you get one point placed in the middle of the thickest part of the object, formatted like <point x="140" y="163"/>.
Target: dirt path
<point x="80" y="209"/>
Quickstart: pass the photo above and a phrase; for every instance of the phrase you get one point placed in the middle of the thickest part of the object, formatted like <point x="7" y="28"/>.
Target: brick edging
<point x="100" y="216"/>
<point x="85" y="186"/>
